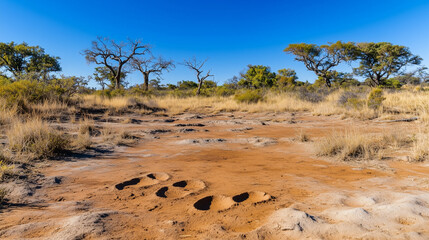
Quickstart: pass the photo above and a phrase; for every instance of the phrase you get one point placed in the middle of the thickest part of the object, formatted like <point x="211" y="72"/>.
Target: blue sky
<point x="231" y="34"/>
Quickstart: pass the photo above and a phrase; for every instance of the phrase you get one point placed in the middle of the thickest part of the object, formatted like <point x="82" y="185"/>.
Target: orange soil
<point x="287" y="171"/>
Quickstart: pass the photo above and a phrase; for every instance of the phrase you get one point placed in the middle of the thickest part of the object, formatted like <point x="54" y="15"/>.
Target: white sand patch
<point x="395" y="216"/>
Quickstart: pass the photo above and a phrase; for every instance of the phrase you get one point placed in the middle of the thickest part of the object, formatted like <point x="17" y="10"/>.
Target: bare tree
<point x="151" y="65"/>
<point x="114" y="55"/>
<point x="197" y="66"/>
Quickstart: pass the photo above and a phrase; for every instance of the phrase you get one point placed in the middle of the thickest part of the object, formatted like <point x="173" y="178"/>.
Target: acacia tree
<point x="286" y="77"/>
<point x="379" y="61"/>
<point x="114" y="55"/>
<point x="21" y="58"/>
<point x="104" y="77"/>
<point x="197" y="66"/>
<point x="151" y="65"/>
<point x="322" y="59"/>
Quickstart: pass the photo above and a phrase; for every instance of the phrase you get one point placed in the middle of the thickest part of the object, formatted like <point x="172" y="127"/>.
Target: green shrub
<point x="249" y="96"/>
<point x="30" y="90"/>
<point x="375" y="98"/>
<point x="224" y="91"/>
<point x="392" y="83"/>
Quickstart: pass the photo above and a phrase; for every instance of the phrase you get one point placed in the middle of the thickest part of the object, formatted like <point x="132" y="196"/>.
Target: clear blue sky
<point x="232" y="34"/>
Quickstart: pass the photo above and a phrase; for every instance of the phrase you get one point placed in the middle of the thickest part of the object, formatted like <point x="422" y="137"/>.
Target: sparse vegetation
<point x="3" y="194"/>
<point x="356" y="145"/>
<point x="301" y="136"/>
<point x="5" y="170"/>
<point x="35" y="139"/>
<point x="249" y="96"/>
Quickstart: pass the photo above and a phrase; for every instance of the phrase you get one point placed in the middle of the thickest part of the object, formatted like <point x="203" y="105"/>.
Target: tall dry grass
<point x="7" y="114"/>
<point x="353" y="144"/>
<point x="35" y="139"/>
<point x="49" y="108"/>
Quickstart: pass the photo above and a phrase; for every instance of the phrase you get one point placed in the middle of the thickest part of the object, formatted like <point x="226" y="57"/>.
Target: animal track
<point x="252" y="197"/>
<point x="216" y="203"/>
<point x="147" y="180"/>
<point x="181" y="189"/>
<point x="221" y="202"/>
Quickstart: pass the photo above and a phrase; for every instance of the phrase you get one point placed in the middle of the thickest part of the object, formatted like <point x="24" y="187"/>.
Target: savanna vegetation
<point x="44" y="115"/>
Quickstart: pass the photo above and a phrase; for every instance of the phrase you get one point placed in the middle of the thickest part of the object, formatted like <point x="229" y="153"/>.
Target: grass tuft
<point x="35" y="139"/>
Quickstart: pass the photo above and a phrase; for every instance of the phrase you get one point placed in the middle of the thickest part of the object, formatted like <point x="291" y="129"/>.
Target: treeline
<point x="28" y="72"/>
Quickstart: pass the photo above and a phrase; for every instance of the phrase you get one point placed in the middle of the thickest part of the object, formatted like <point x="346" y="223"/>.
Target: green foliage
<point x="105" y="78"/>
<point x="321" y="59"/>
<point x="209" y="84"/>
<point x="286" y="78"/>
<point x="392" y="83"/>
<point x="34" y="91"/>
<point x="186" y="85"/>
<point x="155" y="84"/>
<point x="224" y="91"/>
<point x="171" y="86"/>
<point x="407" y="79"/>
<point x="375" y="98"/>
<point x="20" y="59"/>
<point x="378" y="61"/>
<point x="257" y="76"/>
<point x="248" y="96"/>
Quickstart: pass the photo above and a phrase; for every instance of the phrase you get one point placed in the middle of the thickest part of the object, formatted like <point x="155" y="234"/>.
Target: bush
<point x="29" y="90"/>
<point x="36" y="139"/>
<point x="351" y="99"/>
<point x="311" y="96"/>
<point x="249" y="96"/>
<point x="375" y="98"/>
<point x="224" y="91"/>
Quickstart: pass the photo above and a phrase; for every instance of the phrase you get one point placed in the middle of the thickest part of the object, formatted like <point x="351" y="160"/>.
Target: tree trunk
<point x="200" y="83"/>
<point x="146" y="81"/>
<point x="118" y="78"/>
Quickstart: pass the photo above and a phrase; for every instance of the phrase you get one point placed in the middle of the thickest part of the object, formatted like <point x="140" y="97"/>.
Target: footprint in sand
<point x="181" y="189"/>
<point x="147" y="180"/>
<point x="221" y="202"/>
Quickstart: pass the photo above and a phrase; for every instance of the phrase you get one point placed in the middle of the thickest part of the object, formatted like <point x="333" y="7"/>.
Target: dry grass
<point x="86" y="126"/>
<point x="49" y="108"/>
<point x="5" y="170"/>
<point x="115" y="105"/>
<point x="83" y="139"/>
<point x="3" y="194"/>
<point x="398" y="103"/>
<point x="121" y="137"/>
<point x="356" y="145"/>
<point x="35" y="139"/>
<point x="420" y="149"/>
<point x="301" y="136"/>
<point x="7" y="114"/>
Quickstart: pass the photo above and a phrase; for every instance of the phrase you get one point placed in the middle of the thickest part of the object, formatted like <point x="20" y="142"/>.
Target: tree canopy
<point x="21" y="58"/>
<point x="322" y="59"/>
<point x="379" y="61"/>
<point x="257" y="76"/>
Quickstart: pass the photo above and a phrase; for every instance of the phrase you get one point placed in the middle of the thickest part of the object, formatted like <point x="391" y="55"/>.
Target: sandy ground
<point x="226" y="176"/>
